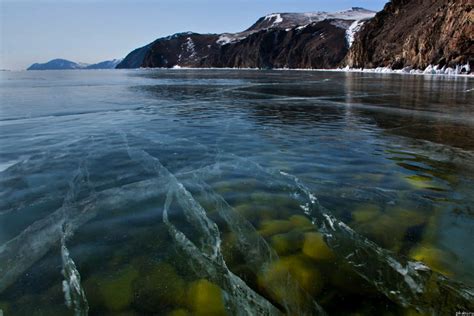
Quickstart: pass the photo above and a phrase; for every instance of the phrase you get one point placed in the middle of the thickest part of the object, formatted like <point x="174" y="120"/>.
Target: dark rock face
<point x="318" y="45"/>
<point x="416" y="33"/>
<point x="286" y="40"/>
<point x="184" y="49"/>
<point x="135" y="58"/>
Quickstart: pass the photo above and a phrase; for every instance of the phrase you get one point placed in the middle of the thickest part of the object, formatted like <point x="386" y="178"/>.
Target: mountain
<point x="417" y="34"/>
<point x="108" y="64"/>
<point x="279" y="40"/>
<point x="55" y="64"/>
<point x="64" y="64"/>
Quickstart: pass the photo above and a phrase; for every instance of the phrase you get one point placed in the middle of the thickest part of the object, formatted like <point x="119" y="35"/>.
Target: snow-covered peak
<point x="290" y="20"/>
<point x="287" y="21"/>
<point x="176" y="35"/>
<point x="351" y="14"/>
<point x="275" y="18"/>
<point x="354" y="13"/>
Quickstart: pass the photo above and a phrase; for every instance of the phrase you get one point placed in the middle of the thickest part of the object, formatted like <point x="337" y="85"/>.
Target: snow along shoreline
<point x="458" y="71"/>
<point x="429" y="71"/>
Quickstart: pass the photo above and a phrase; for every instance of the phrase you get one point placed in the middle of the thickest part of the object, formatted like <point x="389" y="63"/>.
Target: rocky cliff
<point x="416" y="33"/>
<point x="317" y="45"/>
<point x="280" y="40"/>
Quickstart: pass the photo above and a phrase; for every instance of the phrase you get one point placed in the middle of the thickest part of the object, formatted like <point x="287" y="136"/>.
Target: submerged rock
<point x="344" y="279"/>
<point x="435" y="258"/>
<point x="301" y="270"/>
<point x="159" y="288"/>
<point x="301" y="222"/>
<point x="420" y="182"/>
<point x="316" y="248"/>
<point x="179" y="312"/>
<point x="366" y="213"/>
<point x="273" y="227"/>
<point x="113" y="293"/>
<point x="255" y="213"/>
<point x="287" y="243"/>
<point x="295" y="222"/>
<point x="4" y="308"/>
<point x="206" y="299"/>
<point x="117" y="292"/>
<point x="394" y="219"/>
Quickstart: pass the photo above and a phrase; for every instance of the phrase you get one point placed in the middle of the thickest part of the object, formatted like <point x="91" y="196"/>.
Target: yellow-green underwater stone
<point x="273" y="227"/>
<point x="275" y="279"/>
<point x="160" y="287"/>
<point x="205" y="299"/>
<point x="287" y="243"/>
<point x="435" y="258"/>
<point x="316" y="248"/>
<point x="5" y="308"/>
<point x="114" y="292"/>
<point x="179" y="312"/>
<point x="365" y="213"/>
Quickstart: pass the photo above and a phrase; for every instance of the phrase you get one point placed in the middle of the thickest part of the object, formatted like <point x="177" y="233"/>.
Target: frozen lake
<point x="235" y="192"/>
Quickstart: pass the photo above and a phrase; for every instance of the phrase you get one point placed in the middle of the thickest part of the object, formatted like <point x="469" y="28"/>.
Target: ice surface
<point x="408" y="283"/>
<point x="7" y="164"/>
<point x="206" y="259"/>
<point x="21" y="252"/>
<point x="184" y="184"/>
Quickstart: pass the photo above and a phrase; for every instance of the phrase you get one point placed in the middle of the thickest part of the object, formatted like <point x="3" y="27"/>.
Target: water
<point x="240" y="192"/>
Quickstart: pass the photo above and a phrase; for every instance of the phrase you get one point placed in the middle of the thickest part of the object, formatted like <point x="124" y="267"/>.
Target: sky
<point x="95" y="30"/>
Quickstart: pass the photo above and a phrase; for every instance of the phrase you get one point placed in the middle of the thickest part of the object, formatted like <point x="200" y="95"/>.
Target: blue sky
<point x="95" y="30"/>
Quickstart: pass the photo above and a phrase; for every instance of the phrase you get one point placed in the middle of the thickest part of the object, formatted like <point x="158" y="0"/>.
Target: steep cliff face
<point x="416" y="33"/>
<point x="280" y="40"/>
<point x="317" y="45"/>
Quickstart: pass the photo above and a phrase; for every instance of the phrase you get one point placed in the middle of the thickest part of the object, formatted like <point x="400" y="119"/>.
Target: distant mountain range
<point x="64" y="64"/>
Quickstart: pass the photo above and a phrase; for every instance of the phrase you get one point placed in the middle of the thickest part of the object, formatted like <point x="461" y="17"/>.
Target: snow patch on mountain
<point x="302" y="27"/>
<point x="176" y="35"/>
<point x="190" y="47"/>
<point x="225" y="39"/>
<point x="277" y="19"/>
<point x="352" y="30"/>
<point x="228" y="38"/>
<point x="351" y="14"/>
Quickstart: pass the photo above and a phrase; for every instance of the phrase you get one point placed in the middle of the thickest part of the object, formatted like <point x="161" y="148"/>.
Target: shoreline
<point x="435" y="71"/>
<point x="379" y="70"/>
